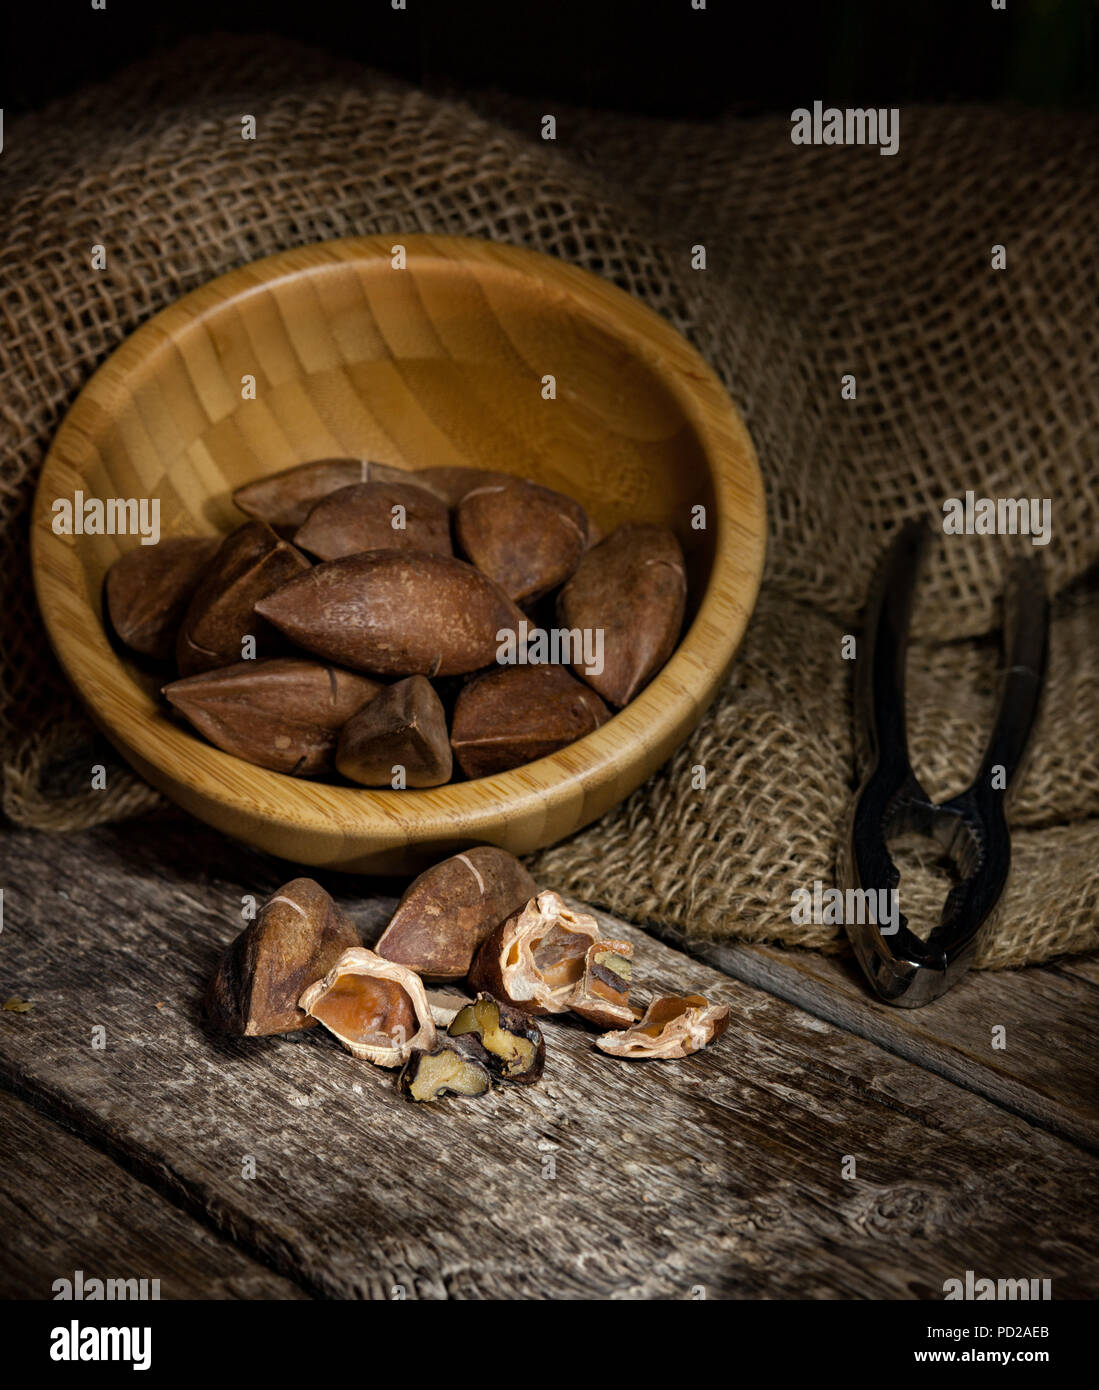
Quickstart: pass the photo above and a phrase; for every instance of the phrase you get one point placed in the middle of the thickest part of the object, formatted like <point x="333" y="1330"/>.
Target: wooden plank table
<point x="283" y="1167"/>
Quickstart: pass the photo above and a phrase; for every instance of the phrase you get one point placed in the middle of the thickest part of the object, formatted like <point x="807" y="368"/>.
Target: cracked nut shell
<point x="250" y="563"/>
<point x="602" y="995"/>
<point x="514" y="715"/>
<point x="394" y="613"/>
<point x="506" y="1040"/>
<point x="285" y="713"/>
<point x="633" y="585"/>
<point x="149" y="589"/>
<point x="450" y="909"/>
<point x="405" y="726"/>
<point x="444" y="1071"/>
<point x="534" y="959"/>
<point x="525" y="536"/>
<point x="297" y="936"/>
<point x="362" y="517"/>
<point x="376" y="1008"/>
<point x="672" y="1026"/>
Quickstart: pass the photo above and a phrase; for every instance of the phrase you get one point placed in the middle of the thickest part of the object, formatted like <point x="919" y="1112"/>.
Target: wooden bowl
<point x="441" y="362"/>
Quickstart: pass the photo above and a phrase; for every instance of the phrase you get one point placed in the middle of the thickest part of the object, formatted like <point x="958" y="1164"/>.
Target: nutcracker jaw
<point x="971" y="828"/>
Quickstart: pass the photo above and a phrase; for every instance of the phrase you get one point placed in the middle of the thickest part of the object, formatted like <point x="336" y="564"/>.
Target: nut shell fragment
<point x="149" y="588"/>
<point x="376" y="1008"/>
<point x="535" y="958"/>
<point x="364" y="516"/>
<point x="284" y="713"/>
<point x="602" y="995"/>
<point x="446" y="1070"/>
<point x="672" y="1026"/>
<point x="448" y="911"/>
<point x="298" y="935"/>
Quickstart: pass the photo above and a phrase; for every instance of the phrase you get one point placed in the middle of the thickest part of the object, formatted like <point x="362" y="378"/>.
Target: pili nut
<point x="250" y="563"/>
<point x="515" y="714"/>
<point x="376" y="1008"/>
<point x="534" y="959"/>
<point x="395" y="613"/>
<point x="451" y="484"/>
<point x="298" y="935"/>
<point x="375" y="516"/>
<point x="525" y="536"/>
<point x="404" y="727"/>
<point x="148" y="590"/>
<point x="285" y="713"/>
<point x="285" y="499"/>
<point x="446" y="1070"/>
<point x="672" y="1026"/>
<point x="601" y="996"/>
<point x="633" y="586"/>
<point x="506" y="1040"/>
<point x="448" y="911"/>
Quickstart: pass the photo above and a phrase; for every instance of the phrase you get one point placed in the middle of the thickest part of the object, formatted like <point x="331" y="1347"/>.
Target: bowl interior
<point x="471" y="355"/>
<point x="425" y="367"/>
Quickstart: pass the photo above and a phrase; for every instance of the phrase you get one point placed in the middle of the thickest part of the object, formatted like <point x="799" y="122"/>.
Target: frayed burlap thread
<point x="820" y="262"/>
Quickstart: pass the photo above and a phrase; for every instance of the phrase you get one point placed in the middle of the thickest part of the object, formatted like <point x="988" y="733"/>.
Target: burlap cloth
<point x="821" y="261"/>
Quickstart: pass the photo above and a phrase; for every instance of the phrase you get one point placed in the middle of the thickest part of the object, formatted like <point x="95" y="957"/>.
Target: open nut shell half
<point x="534" y="959"/>
<point x="672" y="1026"/>
<point x="375" y="1007"/>
<point x="602" y="995"/>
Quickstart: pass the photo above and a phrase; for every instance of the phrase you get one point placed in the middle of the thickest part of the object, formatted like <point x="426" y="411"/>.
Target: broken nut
<point x="448" y="911"/>
<point x="375" y="1007"/>
<point x="446" y="1070"/>
<point x="509" y="1042"/>
<point x="601" y="995"/>
<point x="297" y="936"/>
<point x="672" y="1026"/>
<point x="534" y="959"/>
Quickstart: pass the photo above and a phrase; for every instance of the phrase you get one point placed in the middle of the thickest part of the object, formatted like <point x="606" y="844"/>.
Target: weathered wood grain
<point x="65" y="1206"/>
<point x="1047" y="1071"/>
<point x="721" y="1171"/>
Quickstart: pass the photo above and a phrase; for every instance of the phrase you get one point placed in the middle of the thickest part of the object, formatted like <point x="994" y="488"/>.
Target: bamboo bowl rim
<point x="674" y="699"/>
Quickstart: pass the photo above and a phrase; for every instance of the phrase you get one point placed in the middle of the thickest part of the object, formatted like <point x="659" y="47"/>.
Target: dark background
<point x="661" y="58"/>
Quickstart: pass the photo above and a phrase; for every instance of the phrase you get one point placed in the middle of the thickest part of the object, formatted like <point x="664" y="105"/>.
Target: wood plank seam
<point x="82" y="1125"/>
<point x="735" y="963"/>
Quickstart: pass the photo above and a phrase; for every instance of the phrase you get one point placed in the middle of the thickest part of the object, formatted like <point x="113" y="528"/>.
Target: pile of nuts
<point x="392" y="659"/>
<point x="476" y="917"/>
